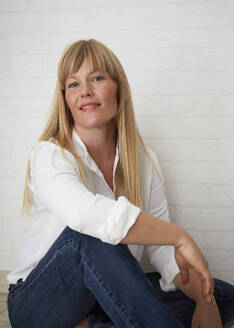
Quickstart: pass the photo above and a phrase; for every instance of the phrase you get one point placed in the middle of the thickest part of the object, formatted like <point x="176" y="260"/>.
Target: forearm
<point x="149" y="230"/>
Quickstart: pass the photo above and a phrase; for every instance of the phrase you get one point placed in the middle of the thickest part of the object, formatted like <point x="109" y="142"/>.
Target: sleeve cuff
<point x="120" y="220"/>
<point x="171" y="269"/>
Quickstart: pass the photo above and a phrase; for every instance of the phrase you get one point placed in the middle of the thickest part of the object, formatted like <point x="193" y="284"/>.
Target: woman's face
<point x="91" y="97"/>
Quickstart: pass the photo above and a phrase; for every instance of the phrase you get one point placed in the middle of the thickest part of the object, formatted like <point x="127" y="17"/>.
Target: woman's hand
<point x="188" y="255"/>
<point x="206" y="315"/>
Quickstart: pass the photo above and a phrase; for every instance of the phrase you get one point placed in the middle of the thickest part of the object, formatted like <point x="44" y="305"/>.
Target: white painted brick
<point x="77" y="21"/>
<point x="47" y="86"/>
<point x="13" y="227"/>
<point x="3" y="66"/>
<point x="187" y="127"/>
<point x="11" y="187"/>
<point x="12" y="23"/>
<point x="93" y="3"/>
<point x="206" y="37"/>
<point x="143" y="86"/>
<point x="227" y="276"/>
<point x="229" y="12"/>
<point x="191" y="82"/>
<point x="13" y="167"/>
<point x="25" y="106"/>
<point x="222" y="196"/>
<point x="131" y="59"/>
<point x="5" y="245"/>
<point x="217" y="219"/>
<point x="207" y="59"/>
<point x="161" y="59"/>
<point x="5" y="147"/>
<point x="132" y="18"/>
<point x="21" y="147"/>
<point x="199" y="105"/>
<point x="50" y="64"/>
<point x="23" y="126"/>
<point x="19" y="87"/>
<point x="123" y="3"/>
<point x="221" y="36"/>
<point x="13" y="5"/>
<point x="38" y="44"/>
<point x="220" y="260"/>
<point x="223" y="104"/>
<point x="130" y="40"/>
<point x="203" y="15"/>
<point x="26" y="65"/>
<point x="50" y="5"/>
<point x="199" y="237"/>
<point x="188" y="150"/>
<point x="10" y="207"/>
<point x="229" y="82"/>
<point x="6" y="263"/>
<point x="219" y="240"/>
<point x="154" y="60"/>
<point x="60" y="41"/>
<point x="185" y="105"/>
<point x="176" y="106"/>
<point x="164" y="17"/>
<point x="204" y="172"/>
<point x="187" y="1"/>
<point x="187" y="195"/>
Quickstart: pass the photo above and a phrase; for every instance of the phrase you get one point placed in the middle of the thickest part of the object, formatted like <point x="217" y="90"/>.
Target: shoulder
<point x="47" y="154"/>
<point x="149" y="157"/>
<point x="150" y="163"/>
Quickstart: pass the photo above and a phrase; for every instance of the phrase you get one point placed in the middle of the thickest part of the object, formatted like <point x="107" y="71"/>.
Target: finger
<point x="207" y="285"/>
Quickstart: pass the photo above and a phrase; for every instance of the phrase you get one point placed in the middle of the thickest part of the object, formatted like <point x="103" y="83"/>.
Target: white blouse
<point x="60" y="199"/>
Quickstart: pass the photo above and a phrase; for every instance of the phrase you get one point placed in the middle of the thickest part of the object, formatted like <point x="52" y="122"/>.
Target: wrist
<point x="181" y="237"/>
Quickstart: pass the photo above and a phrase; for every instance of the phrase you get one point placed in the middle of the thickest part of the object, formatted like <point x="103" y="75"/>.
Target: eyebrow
<point x="73" y="76"/>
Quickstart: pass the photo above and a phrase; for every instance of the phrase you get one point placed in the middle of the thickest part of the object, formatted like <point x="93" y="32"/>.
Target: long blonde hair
<point x="60" y="123"/>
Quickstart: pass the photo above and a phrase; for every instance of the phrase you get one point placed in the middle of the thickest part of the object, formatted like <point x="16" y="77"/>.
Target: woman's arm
<point x="148" y="230"/>
<point x="205" y="315"/>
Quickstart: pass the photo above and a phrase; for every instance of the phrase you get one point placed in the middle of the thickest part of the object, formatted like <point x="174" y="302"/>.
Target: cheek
<point x="111" y="96"/>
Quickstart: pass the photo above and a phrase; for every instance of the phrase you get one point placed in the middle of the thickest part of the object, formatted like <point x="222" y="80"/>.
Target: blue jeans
<point x="80" y="275"/>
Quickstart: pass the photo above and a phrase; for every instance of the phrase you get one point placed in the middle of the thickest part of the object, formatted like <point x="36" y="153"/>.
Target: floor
<point x="4" y="321"/>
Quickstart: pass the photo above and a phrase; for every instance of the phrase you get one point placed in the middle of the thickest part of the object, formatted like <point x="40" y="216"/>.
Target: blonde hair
<point x="60" y="123"/>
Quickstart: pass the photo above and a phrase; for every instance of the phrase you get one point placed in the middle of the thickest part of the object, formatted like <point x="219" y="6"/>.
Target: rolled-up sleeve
<point x="161" y="257"/>
<point x="57" y="183"/>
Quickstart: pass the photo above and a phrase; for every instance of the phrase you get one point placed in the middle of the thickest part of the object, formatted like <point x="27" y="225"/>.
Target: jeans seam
<point x="133" y="325"/>
<point x="27" y="287"/>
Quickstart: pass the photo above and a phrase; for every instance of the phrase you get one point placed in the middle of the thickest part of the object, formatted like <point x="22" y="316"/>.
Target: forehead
<point x="86" y="68"/>
<point x="87" y="63"/>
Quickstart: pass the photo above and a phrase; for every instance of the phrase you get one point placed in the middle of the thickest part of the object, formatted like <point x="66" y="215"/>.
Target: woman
<point x="93" y="187"/>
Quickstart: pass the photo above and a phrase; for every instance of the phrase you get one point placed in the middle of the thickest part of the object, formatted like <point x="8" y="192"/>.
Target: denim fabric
<point x="80" y="275"/>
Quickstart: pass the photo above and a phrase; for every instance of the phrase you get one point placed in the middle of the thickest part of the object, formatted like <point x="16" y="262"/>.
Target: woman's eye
<point x="98" y="78"/>
<point x="73" y="85"/>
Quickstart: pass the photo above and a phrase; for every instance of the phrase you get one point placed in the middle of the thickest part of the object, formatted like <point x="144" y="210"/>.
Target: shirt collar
<point x="83" y="153"/>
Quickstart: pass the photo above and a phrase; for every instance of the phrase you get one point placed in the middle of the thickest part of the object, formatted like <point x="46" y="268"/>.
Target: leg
<point x="54" y="294"/>
<point x="76" y="271"/>
<point x="181" y="307"/>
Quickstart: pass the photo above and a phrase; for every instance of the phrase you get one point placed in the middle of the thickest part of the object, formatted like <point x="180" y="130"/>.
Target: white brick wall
<point x="179" y="57"/>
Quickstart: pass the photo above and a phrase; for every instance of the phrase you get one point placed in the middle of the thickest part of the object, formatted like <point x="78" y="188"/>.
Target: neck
<point x="100" y="143"/>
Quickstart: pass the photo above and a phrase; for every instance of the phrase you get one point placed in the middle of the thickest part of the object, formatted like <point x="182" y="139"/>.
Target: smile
<point x="89" y="107"/>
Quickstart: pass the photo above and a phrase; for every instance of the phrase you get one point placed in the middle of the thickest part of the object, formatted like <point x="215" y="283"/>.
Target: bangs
<point x="101" y="57"/>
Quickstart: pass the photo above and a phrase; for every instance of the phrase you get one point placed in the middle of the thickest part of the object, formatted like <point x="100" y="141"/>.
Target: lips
<point x="89" y="106"/>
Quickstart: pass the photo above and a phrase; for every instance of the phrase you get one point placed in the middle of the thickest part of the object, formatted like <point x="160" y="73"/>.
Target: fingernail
<point x="209" y="299"/>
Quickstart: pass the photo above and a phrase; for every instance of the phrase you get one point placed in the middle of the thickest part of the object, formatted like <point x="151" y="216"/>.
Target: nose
<point x="86" y="89"/>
